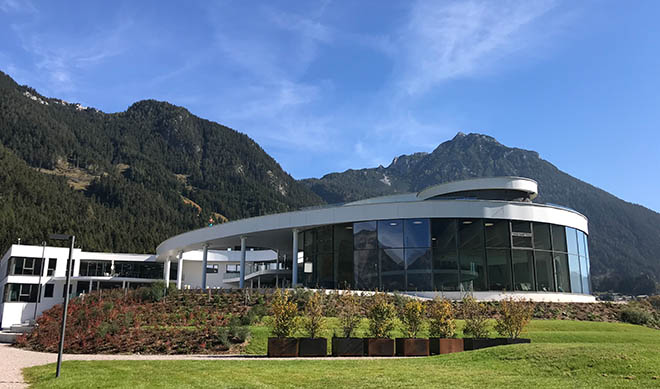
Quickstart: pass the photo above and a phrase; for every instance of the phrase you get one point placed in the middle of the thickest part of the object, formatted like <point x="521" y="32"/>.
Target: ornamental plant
<point x="515" y="314"/>
<point x="413" y="317"/>
<point x="441" y="319"/>
<point x="381" y="316"/>
<point x="283" y="311"/>
<point x="476" y="319"/>
<point x="349" y="313"/>
<point x="314" y="322"/>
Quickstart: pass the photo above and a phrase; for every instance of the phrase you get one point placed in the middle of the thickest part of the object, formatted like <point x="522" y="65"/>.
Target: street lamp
<point x="66" y="294"/>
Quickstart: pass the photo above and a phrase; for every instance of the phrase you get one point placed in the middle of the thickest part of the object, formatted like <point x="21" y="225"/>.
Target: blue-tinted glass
<point x="366" y="269"/>
<point x="584" y="268"/>
<point x="473" y="274"/>
<point x="586" y="245"/>
<point x="416" y="233"/>
<point x="523" y="270"/>
<point x="562" y="272"/>
<point x="418" y="269"/>
<point x="574" y="267"/>
<point x="580" y="242"/>
<point x="571" y="240"/>
<point x="390" y="234"/>
<point x="365" y="236"/>
<point x="392" y="269"/>
<point x="499" y="269"/>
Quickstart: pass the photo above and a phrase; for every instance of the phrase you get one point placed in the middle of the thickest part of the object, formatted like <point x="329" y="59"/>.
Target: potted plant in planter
<point x="476" y="325"/>
<point x="349" y="319"/>
<point x="515" y="314"/>
<point x="381" y="316"/>
<point x="283" y="312"/>
<point x="442" y="328"/>
<point x="412" y="319"/>
<point x="313" y="324"/>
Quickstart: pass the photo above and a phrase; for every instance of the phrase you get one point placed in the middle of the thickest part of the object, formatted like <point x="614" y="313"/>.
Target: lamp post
<point x="67" y="290"/>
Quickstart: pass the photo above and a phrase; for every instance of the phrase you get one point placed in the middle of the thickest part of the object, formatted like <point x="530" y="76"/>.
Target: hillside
<point x="134" y="178"/>
<point x="624" y="237"/>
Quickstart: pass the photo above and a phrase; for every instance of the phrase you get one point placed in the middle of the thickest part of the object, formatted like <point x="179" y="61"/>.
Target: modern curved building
<point x="482" y="235"/>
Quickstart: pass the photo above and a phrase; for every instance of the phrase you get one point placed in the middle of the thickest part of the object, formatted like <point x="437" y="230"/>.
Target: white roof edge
<point x="484" y="183"/>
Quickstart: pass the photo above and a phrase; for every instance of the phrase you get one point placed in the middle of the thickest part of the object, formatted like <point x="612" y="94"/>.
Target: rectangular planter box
<point x="282" y="347"/>
<point x="445" y="345"/>
<point x="379" y="347"/>
<point x="412" y="347"/>
<point x="514" y="341"/>
<point x="347" y="347"/>
<point x="312" y="347"/>
<point x="477" y="343"/>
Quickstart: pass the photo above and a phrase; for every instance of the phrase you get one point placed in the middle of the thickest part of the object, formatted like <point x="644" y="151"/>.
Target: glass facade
<point x="446" y="255"/>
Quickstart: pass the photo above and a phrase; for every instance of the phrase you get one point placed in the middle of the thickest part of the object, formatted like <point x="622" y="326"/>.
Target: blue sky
<point x="332" y="85"/>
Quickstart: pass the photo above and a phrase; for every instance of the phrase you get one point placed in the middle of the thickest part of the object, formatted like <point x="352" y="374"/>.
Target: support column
<point x="166" y="272"/>
<point x="179" y="271"/>
<point x="241" y="283"/>
<point x="294" y="260"/>
<point x="204" y="262"/>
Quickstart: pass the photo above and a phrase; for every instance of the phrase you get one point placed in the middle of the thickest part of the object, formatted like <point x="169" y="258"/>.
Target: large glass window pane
<point x="586" y="245"/>
<point x="392" y="269"/>
<point x="562" y="273"/>
<point x="471" y="234"/>
<point x="574" y="267"/>
<point x="416" y="233"/>
<point x="542" y="239"/>
<point x="324" y="239"/>
<point x="443" y="233"/>
<point x="310" y="242"/>
<point x="343" y="253"/>
<point x="418" y="269"/>
<point x="499" y="269"/>
<point x="390" y="234"/>
<point x="580" y="243"/>
<point x="366" y="269"/>
<point x="584" y="272"/>
<point x="571" y="240"/>
<point x="445" y="269"/>
<point x="523" y="270"/>
<point x="473" y="274"/>
<point x="521" y="226"/>
<point x="365" y="236"/>
<point x="545" y="280"/>
<point x="522" y="241"/>
<point x="558" y="238"/>
<point x="325" y="277"/>
<point x="497" y="233"/>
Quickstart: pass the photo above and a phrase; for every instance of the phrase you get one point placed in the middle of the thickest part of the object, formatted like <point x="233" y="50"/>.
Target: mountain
<point x="127" y="181"/>
<point x="624" y="238"/>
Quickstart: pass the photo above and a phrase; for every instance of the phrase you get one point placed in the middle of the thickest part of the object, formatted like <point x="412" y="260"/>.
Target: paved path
<point x="13" y="360"/>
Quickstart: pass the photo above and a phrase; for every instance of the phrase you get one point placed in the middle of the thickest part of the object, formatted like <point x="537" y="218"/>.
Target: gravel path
<point x="13" y="360"/>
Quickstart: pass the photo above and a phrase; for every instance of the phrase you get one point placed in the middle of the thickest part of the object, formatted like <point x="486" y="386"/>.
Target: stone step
<point x="21" y="329"/>
<point x="8" y="337"/>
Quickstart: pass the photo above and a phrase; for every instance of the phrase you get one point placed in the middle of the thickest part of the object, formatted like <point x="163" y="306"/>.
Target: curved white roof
<point x="520" y="184"/>
<point x="275" y="231"/>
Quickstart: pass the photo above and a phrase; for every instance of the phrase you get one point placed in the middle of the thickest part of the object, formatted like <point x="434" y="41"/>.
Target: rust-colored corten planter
<point x="312" y="347"/>
<point x="347" y="347"/>
<point x="412" y="347"/>
<point x="445" y="345"/>
<point x="379" y="347"/>
<point x="282" y="347"/>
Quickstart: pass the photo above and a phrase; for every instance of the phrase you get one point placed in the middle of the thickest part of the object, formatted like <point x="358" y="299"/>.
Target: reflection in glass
<point x="497" y="233"/>
<point x="574" y="267"/>
<point x="416" y="233"/>
<point x="418" y="269"/>
<point x="585" y="274"/>
<point x="324" y="239"/>
<point x="563" y="274"/>
<point x="445" y="269"/>
<point x="559" y="238"/>
<point x="309" y="242"/>
<point x="325" y="268"/>
<point x="521" y="226"/>
<point x="471" y="234"/>
<point x="390" y="234"/>
<point x="365" y="236"/>
<point x="545" y="280"/>
<point x="499" y="269"/>
<point x="523" y="270"/>
<point x="472" y="273"/>
<point x="443" y="233"/>
<point x="343" y="255"/>
<point x="542" y="239"/>
<point x="571" y="240"/>
<point x="580" y="243"/>
<point x="392" y="269"/>
<point x="522" y="241"/>
<point x="366" y="269"/>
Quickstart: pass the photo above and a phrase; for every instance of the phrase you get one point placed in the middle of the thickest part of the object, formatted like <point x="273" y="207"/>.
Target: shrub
<point x="636" y="316"/>
<point x="442" y="323"/>
<point x="314" y="321"/>
<point x="381" y="316"/>
<point x="476" y="320"/>
<point x="153" y="293"/>
<point x="515" y="314"/>
<point x="283" y="312"/>
<point x="349" y="313"/>
<point x="413" y="317"/>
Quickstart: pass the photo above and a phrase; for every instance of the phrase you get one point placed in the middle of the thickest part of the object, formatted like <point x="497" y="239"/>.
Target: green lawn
<point x="563" y="354"/>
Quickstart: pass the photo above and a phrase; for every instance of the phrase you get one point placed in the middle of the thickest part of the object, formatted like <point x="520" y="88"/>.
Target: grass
<point x="562" y="354"/>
